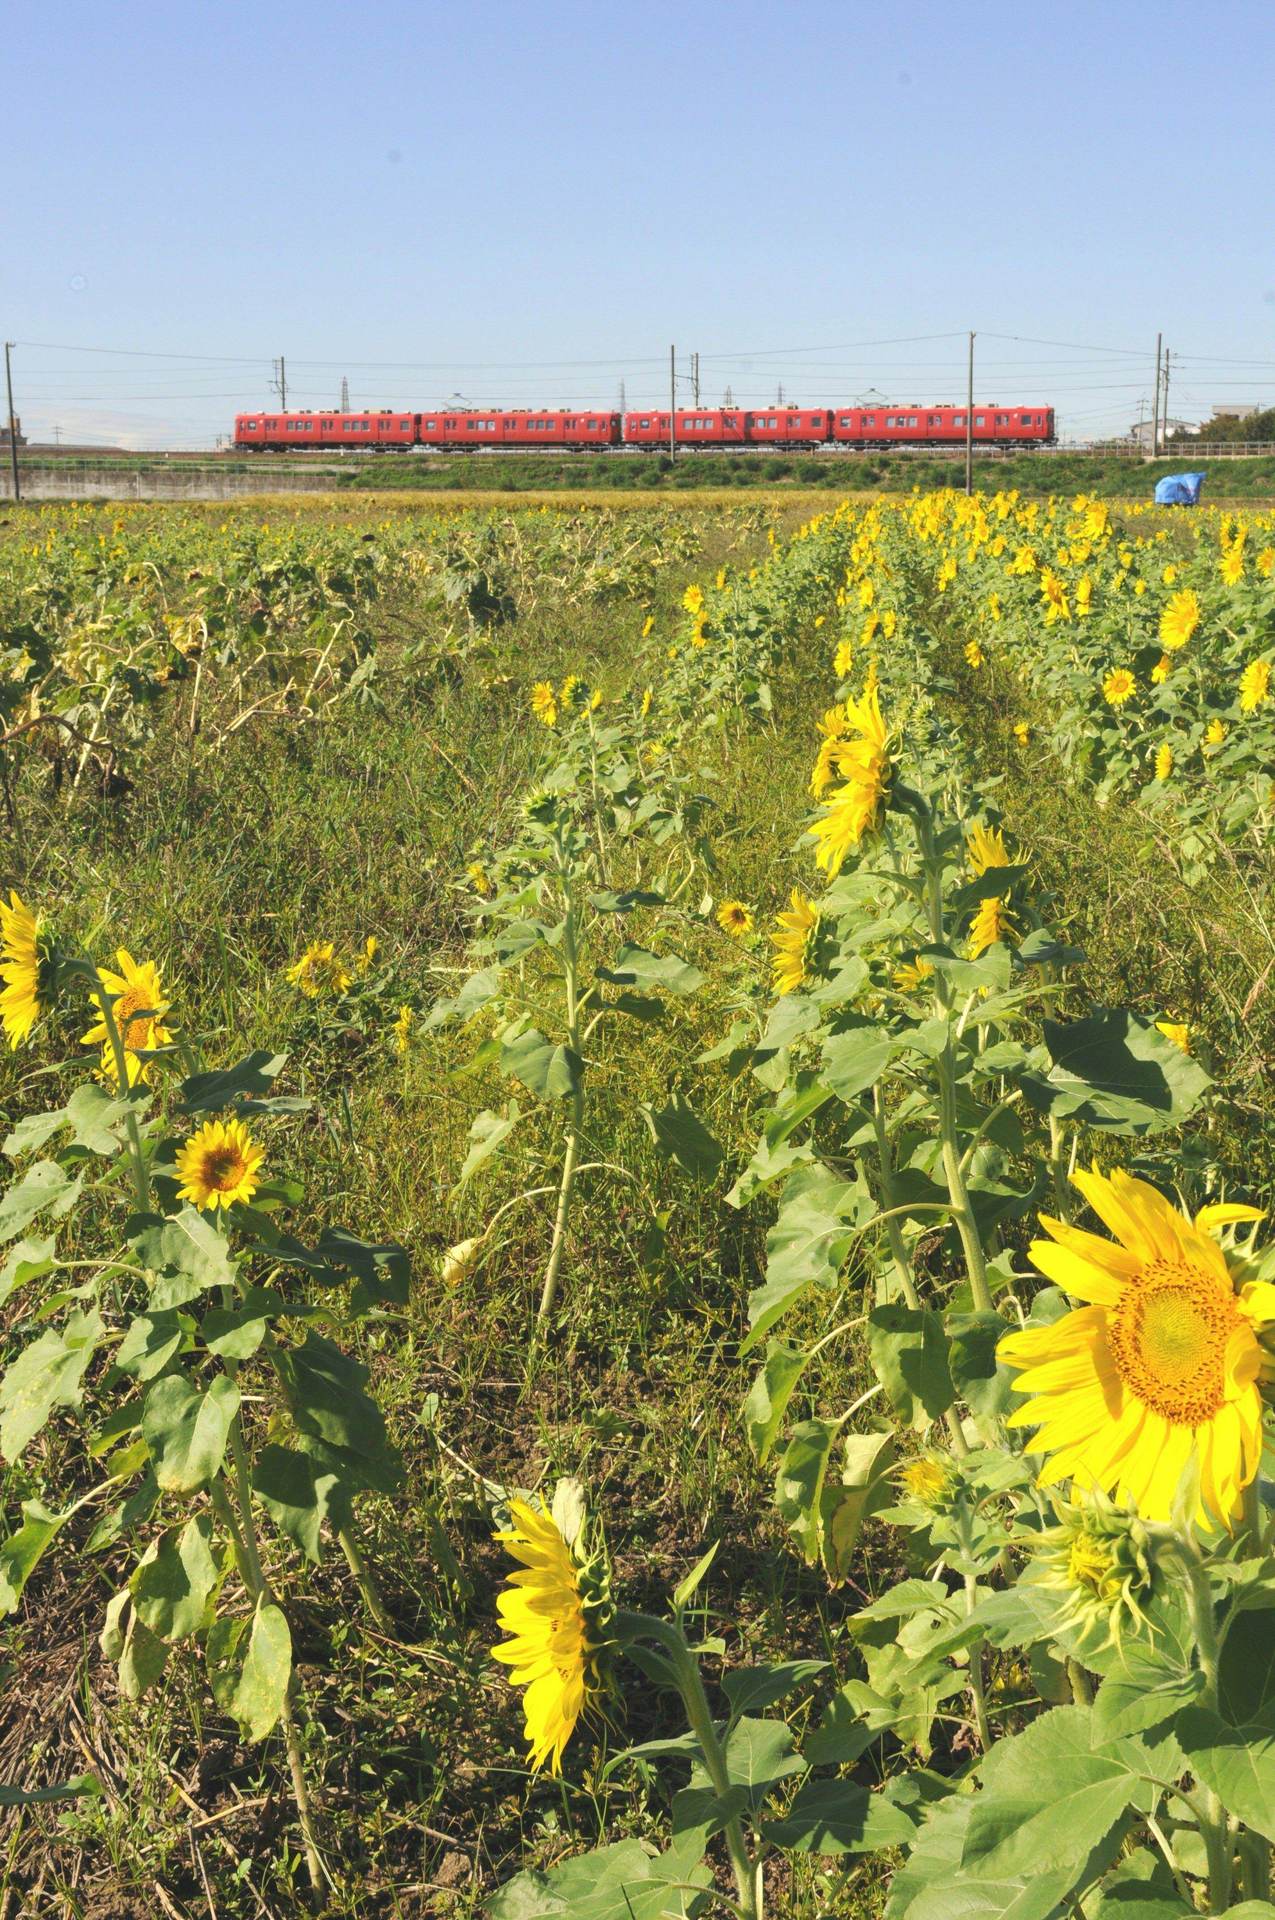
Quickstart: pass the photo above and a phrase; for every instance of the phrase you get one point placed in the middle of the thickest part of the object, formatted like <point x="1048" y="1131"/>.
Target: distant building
<point x="1236" y="409"/>
<point x="1141" y="433"/>
<point x="4" y="434"/>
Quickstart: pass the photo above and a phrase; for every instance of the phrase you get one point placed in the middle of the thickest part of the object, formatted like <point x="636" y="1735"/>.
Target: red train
<point x="783" y="428"/>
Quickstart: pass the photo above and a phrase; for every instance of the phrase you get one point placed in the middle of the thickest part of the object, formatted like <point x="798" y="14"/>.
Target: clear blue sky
<point x="528" y="203"/>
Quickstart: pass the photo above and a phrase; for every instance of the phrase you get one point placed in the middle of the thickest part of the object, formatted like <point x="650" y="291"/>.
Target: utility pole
<point x="623" y="403"/>
<point x="1164" y="417"/>
<point x="728" y="398"/>
<point x="1155" y="410"/>
<point x="672" y="403"/>
<point x="779" y="398"/>
<point x="280" y="382"/>
<point x="695" y="378"/>
<point x="13" y="425"/>
<point x="345" y="393"/>
<point x="969" y="422"/>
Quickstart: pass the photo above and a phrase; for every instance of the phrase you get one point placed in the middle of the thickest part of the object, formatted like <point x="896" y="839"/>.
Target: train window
<point x="958" y="419"/>
<point x="913" y="421"/>
<point x="1002" y="419"/>
<point x="644" y="423"/>
<point x="1024" y="419"/>
<point x="936" y="419"/>
<point x="980" y="419"/>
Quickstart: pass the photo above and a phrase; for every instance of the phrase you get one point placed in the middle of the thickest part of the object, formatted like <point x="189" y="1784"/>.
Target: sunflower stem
<point x="1213" y="1822"/>
<point x="141" y="1178"/>
<point x="571" y="976"/>
<point x="686" y="1676"/>
<point x="248" y="1553"/>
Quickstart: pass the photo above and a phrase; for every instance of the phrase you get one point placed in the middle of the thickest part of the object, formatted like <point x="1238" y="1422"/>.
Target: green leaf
<point x="753" y="1689"/>
<point x="841" y="1737"/>
<point x="381" y="1270"/>
<point x="681" y="1136"/>
<point x="689" y="1586"/>
<point x="47" y="1374"/>
<point x="28" y="1260"/>
<point x="1144" y="1690"/>
<point x="20" y="1553"/>
<point x="326" y="1396"/>
<point x="1236" y="1759"/>
<point x="487" y="1135"/>
<point x="249" y="1666"/>
<point x="1246" y="1670"/>
<point x="186" y="1431"/>
<point x="909" y="1349"/>
<point x="149" y="1343"/>
<point x="661" y="972"/>
<point x="550" y="1071"/>
<point x="76" y="1789"/>
<point x="931" y="1886"/>
<point x="862" y="1489"/>
<point x="770" y="1393"/>
<point x="231" y="1086"/>
<point x="1049" y="1797"/>
<point x="1116" y="1071"/>
<point x="142" y="1660"/>
<point x="759" y="1754"/>
<point x="618" y="1882"/>
<point x="235" y="1333"/>
<point x="294" y="1493"/>
<point x="96" y="1119"/>
<point x="984" y="1385"/>
<point x="171" y="1584"/>
<point x="799" y="1482"/>
<point x="44" y="1188"/>
<point x="806" y="1246"/>
<point x="854" y="1061"/>
<point x="189" y="1256"/>
<point x="837" y="1817"/>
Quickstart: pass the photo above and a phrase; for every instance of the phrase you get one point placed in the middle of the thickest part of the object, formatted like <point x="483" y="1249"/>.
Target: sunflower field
<point x="634" y="1264"/>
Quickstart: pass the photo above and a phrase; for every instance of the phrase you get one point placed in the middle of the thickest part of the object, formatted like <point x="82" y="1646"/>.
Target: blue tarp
<point x="1179" y="490"/>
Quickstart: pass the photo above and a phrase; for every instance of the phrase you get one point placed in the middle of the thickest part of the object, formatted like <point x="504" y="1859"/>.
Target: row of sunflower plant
<point x="573" y="914"/>
<point x="1147" y="646"/>
<point x="188" y="1361"/>
<point x="1067" y="1705"/>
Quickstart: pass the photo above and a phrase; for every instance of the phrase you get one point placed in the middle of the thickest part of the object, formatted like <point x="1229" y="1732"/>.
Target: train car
<point x="561" y="429"/>
<point x="694" y="427"/>
<point x="308" y="432"/>
<point x="885" y="426"/>
<point x="790" y="427"/>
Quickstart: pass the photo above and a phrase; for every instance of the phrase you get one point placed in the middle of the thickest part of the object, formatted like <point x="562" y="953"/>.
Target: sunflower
<point x="1098" y="1560"/>
<point x="1157" y="1373"/>
<point x="478" y="877"/>
<point x="929" y="1479"/>
<point x="1118" y="687"/>
<point x="138" y="1004"/>
<point x="402" y="1028"/>
<point x="974" y="655"/>
<point x="1231" y="565"/>
<point x="220" y="1165"/>
<point x="912" y="973"/>
<point x="544" y="703"/>
<point x="1216" y="733"/>
<point x="1179" y="620"/>
<point x="318" y="971"/>
<point x="792" y="942"/>
<point x="855" y="808"/>
<point x="735" y="918"/>
<point x="371" y="947"/>
<point x="20" y="969"/>
<point x="992" y="923"/>
<point x="1053" y="590"/>
<point x="555" y="1610"/>
<point x="1254" y="685"/>
<point x="986" y="848"/>
<point x="843" y="659"/>
<point x="1022" y="732"/>
<point x="1176" y="1030"/>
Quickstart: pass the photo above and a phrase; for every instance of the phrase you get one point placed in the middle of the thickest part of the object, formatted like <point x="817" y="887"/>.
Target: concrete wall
<point x="161" y="482"/>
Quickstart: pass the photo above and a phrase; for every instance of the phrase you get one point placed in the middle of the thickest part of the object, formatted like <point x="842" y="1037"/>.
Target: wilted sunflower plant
<point x="218" y="1425"/>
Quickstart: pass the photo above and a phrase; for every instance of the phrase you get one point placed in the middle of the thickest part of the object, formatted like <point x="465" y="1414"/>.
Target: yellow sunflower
<point x="986" y="848"/>
<point x="544" y="1609"/>
<point x="1254" y="685"/>
<point x="318" y="971"/>
<point x="544" y="703"/>
<point x="1157" y="1373"/>
<point x="992" y="923"/>
<point x="20" y="1003"/>
<point x="1176" y="1030"/>
<point x="220" y="1165"/>
<point x="1163" y="761"/>
<point x="1118" y="687"/>
<point x="792" y="942"/>
<point x="863" y="763"/>
<point x="402" y="1028"/>
<point x="138" y="1004"/>
<point x="735" y="918"/>
<point x="912" y="973"/>
<point x="1179" y="620"/>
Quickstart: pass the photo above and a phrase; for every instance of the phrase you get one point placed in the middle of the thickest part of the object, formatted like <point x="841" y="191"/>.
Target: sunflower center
<point x="223" y="1168"/>
<point x="1169" y="1337"/>
<point x="134" y="1031"/>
